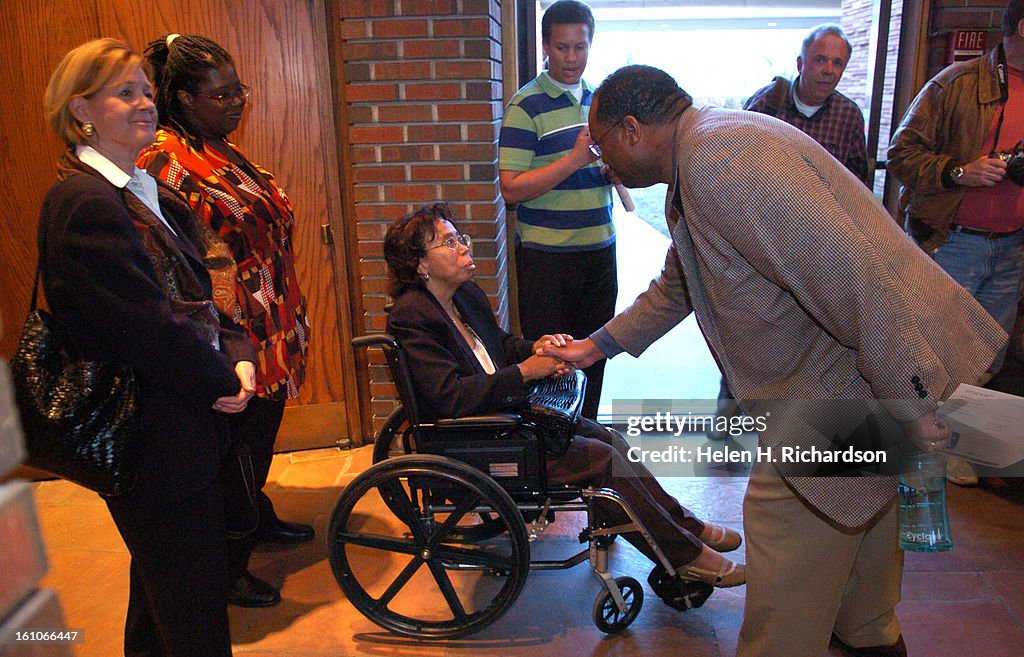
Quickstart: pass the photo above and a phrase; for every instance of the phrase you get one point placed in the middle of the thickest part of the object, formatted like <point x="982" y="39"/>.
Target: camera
<point x="1014" y="159"/>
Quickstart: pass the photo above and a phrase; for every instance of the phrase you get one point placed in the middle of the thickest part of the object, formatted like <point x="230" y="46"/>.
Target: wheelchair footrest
<point x="676" y="593"/>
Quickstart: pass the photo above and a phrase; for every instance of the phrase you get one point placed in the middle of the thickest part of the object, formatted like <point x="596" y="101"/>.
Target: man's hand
<point x="984" y="172"/>
<point x="581" y="353"/>
<point x="929" y="433"/>
<point x="554" y="339"/>
<point x="581" y="153"/>
<point x="246" y="372"/>
<point x="610" y="174"/>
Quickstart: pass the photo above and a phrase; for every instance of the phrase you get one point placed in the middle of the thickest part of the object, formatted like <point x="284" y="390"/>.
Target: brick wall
<point x="422" y="82"/>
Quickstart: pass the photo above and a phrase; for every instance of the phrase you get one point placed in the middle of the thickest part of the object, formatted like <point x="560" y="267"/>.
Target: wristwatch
<point x="956" y="173"/>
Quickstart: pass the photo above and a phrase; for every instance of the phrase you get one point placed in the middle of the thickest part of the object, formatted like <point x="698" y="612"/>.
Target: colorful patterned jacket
<point x="247" y="210"/>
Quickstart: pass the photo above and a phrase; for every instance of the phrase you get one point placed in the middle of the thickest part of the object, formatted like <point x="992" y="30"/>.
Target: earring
<point x="88" y="129"/>
<point x="425" y="276"/>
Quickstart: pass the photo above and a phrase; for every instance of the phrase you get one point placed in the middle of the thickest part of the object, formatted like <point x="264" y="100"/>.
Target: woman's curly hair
<point x="405" y="243"/>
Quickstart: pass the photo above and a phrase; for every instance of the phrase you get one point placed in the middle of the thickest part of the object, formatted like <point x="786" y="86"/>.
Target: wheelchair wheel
<point x="388" y="442"/>
<point x="415" y="574"/>
<point x="608" y="617"/>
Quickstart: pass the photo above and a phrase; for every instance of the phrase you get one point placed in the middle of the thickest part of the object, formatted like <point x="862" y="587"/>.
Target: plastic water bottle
<point x="924" y="523"/>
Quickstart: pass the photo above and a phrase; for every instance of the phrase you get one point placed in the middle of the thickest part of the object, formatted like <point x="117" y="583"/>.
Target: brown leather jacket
<point x="945" y="125"/>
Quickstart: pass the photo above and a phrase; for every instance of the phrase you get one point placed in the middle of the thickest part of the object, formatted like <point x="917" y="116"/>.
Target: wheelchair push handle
<point x="375" y="340"/>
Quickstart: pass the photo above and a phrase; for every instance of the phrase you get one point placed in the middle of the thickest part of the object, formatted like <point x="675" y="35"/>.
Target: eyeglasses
<point x="595" y="145"/>
<point x="453" y="242"/>
<point x="228" y="97"/>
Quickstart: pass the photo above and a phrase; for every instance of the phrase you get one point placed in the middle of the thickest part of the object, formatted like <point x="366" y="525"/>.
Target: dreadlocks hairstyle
<point x="179" y="61"/>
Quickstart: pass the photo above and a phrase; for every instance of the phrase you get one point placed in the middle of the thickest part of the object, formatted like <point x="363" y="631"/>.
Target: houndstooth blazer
<point x="805" y="289"/>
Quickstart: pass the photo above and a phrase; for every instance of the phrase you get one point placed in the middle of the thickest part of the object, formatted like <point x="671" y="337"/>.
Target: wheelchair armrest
<point x="477" y="422"/>
<point x="375" y="340"/>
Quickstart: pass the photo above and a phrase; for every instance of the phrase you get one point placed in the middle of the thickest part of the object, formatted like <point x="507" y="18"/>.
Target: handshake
<point x="559" y="354"/>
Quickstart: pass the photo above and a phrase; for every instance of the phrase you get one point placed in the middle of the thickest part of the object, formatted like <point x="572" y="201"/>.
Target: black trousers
<point x="178" y="585"/>
<point x="253" y="432"/>
<point x="597" y="457"/>
<point x="570" y="293"/>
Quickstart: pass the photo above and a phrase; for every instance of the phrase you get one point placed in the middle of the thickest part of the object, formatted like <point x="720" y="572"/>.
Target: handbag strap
<point x="39" y="266"/>
<point x="35" y="288"/>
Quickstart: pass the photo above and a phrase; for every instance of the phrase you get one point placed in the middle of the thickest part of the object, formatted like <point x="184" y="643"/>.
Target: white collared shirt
<point x="141" y="184"/>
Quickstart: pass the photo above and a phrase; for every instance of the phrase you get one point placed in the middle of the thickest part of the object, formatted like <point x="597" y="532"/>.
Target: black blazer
<point x="449" y="380"/>
<point x="100" y="285"/>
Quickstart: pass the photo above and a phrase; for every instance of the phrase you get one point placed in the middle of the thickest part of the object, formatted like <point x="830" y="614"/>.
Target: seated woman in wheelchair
<point x="463" y="363"/>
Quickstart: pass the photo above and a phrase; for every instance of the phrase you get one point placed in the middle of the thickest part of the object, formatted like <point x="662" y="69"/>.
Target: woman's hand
<point x="246" y="372"/>
<point x="538" y="367"/>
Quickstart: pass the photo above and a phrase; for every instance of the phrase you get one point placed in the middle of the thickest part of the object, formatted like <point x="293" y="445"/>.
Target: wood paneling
<point x="32" y="48"/>
<point x="280" y="50"/>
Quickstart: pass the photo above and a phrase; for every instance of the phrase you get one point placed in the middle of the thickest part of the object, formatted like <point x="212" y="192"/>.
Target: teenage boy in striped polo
<point x="565" y="237"/>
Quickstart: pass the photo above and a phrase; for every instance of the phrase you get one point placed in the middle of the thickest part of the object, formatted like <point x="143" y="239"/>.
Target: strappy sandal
<point x="729" y="574"/>
<point x="722" y="539"/>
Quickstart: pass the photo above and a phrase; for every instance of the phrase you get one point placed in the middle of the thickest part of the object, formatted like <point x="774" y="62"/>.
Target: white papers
<point x="990" y="425"/>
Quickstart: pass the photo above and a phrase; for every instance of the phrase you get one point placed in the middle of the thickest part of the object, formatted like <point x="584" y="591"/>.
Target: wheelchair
<point x="433" y="541"/>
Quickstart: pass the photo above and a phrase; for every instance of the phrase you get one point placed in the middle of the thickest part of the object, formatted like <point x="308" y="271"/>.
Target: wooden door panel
<point x="28" y="149"/>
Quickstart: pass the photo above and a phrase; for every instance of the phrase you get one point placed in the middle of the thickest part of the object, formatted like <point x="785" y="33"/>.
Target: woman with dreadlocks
<point x="200" y="101"/>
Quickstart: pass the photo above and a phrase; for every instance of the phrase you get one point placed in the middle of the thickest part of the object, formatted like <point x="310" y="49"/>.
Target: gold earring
<point x="88" y="129"/>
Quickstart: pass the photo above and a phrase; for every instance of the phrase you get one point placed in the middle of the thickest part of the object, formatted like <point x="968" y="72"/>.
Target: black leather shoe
<point x="279" y="531"/>
<point x="250" y="591"/>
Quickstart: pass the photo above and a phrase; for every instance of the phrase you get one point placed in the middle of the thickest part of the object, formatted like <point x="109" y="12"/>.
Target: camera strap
<point x="1004" y="95"/>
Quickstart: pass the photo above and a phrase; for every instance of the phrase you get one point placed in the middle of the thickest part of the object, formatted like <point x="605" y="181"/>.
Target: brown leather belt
<point x="987" y="234"/>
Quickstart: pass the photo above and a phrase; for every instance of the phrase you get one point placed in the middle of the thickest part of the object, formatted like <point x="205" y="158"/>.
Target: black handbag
<point x="80" y="418"/>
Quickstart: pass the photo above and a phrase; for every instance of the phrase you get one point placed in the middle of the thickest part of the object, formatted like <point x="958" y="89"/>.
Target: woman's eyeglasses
<point x="228" y="97"/>
<point x="453" y="242"/>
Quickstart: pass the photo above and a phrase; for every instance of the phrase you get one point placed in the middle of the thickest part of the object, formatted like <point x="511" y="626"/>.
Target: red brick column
<point x="422" y="79"/>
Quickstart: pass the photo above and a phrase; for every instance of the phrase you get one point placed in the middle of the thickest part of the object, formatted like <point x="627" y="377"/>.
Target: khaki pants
<point x="808" y="578"/>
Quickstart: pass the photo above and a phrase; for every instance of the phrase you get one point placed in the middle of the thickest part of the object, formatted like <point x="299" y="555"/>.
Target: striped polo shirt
<point x="540" y="126"/>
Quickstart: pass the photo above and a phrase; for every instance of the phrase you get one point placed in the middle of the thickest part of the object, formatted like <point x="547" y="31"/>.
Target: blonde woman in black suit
<point x="124" y="268"/>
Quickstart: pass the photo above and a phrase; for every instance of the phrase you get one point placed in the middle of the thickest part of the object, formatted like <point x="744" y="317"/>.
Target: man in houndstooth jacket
<point x="808" y="294"/>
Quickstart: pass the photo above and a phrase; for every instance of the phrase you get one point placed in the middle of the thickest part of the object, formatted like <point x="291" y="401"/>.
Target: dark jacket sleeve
<point x="235" y="341"/>
<point x="448" y="382"/>
<point x="99" y="282"/>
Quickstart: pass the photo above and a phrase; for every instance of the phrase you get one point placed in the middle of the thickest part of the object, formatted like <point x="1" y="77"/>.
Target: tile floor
<point x="968" y="602"/>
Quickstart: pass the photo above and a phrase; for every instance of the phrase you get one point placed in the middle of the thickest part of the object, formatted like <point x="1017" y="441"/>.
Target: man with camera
<point x="951" y="153"/>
